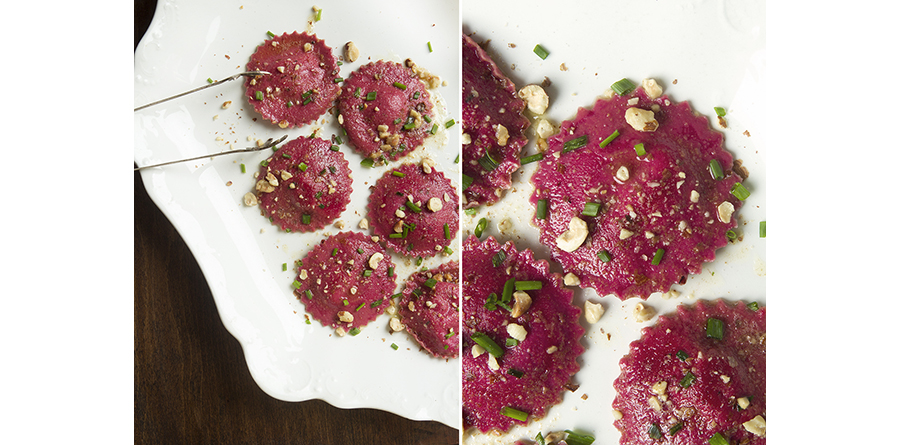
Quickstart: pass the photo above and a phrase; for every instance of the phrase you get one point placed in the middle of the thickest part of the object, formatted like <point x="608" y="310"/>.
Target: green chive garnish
<point x="639" y="149"/>
<point x="390" y="271"/>
<point x="511" y="342"/>
<point x="361" y="305"/>
<point x="528" y="285"/>
<point x="466" y="181"/>
<point x="591" y="209"/>
<point x="448" y="250"/>
<point x="306" y="219"/>
<point x="412" y="206"/>
<point x="604" y="256"/>
<point x="430" y="283"/>
<point x="682" y="355"/>
<point x="658" y="256"/>
<point x="400" y="85"/>
<point x="308" y="294"/>
<point x="318" y="15"/>
<point x="447" y="231"/>
<point x="573" y="438"/>
<point x="264" y="163"/>
<point x="718" y="439"/>
<point x="715" y="328"/>
<point x="542" y="207"/>
<point x="209" y="80"/>
<point x="338" y="79"/>
<point x="739" y="191"/>
<point x="508" y="289"/>
<point x="532" y="158"/>
<point x="394" y="346"/>
<point x="623" y="87"/>
<point x="654" y="432"/>
<point x="283" y="267"/>
<point x="367" y="273"/>
<point x="719" y="111"/>
<point x="367" y="162"/>
<point x="515" y="373"/>
<point x="687" y="380"/>
<point x="456" y="161"/>
<point x="574" y="144"/>
<point x="514" y="413"/>
<point x="487" y="162"/>
<point x="353" y="331"/>
<point x="345" y="302"/>
<point x="259" y="95"/>
<point x="676" y="428"/>
<point x="541" y="52"/>
<point x="479" y="228"/>
<point x="371" y="95"/>
<point x="430" y="49"/>
<point x="243" y="168"/>
<point x="609" y="139"/>
<point x="498" y="258"/>
<point x="286" y="155"/>
<point x="377" y="302"/>
<point x="398" y="174"/>
<point x="540" y="439"/>
<point x="489" y="345"/>
<point x="449" y="123"/>
<point x="753" y="306"/>
<point x="270" y="34"/>
<point x="471" y="212"/>
<point x="435" y="128"/>
<point x="302" y="166"/>
<point x="762" y="229"/>
<point x="357" y="92"/>
<point x="731" y="235"/>
<point x="296" y="284"/>
<point x="715" y="169"/>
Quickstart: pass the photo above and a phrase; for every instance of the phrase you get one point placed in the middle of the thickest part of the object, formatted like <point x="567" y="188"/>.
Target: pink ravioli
<point x="345" y="281"/>
<point x="430" y="309"/>
<point x="530" y="374"/>
<point x="493" y="121"/>
<point x="663" y="206"/>
<point x="386" y="110"/>
<point x="414" y="213"/>
<point x="303" y="79"/>
<point x="695" y="374"/>
<point x="304" y="186"/>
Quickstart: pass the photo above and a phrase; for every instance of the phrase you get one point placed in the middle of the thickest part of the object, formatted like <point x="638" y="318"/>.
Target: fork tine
<point x="269" y="144"/>
<point x="218" y="82"/>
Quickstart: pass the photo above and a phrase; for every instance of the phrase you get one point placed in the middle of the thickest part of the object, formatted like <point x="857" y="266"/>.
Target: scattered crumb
<point x="563" y="67"/>
<point x="747" y="133"/>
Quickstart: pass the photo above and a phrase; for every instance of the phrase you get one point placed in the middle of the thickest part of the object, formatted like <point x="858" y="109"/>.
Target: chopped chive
<point x="345" y="302"/>
<point x="541" y="52"/>
<point x="682" y="355"/>
<point x="296" y="284"/>
<point x="623" y="87"/>
<point x="396" y="235"/>
<point x="739" y="191"/>
<point x="283" y="267"/>
<point x="466" y="181"/>
<point x="416" y="95"/>
<point x="498" y="258"/>
<point x="604" y="256"/>
<point x="243" y="168"/>
<point x="540" y="439"/>
<point x="430" y="283"/>
<point x="715" y="169"/>
<point x="335" y="148"/>
<point x="511" y="342"/>
<point x="718" y="439"/>
<point x="427" y="118"/>
<point x="354" y="331"/>
<point x="308" y="294"/>
<point x="471" y="212"/>
<point x="654" y="432"/>
<point x="377" y="302"/>
<point x="412" y="206"/>
<point x="487" y="343"/>
<point x="302" y="166"/>
<point x="390" y="271"/>
<point x="308" y="321"/>
<point x="487" y="162"/>
<point x="529" y="285"/>
<point x="574" y="144"/>
<point x="687" y="380"/>
<point x="515" y="373"/>
<point x="419" y="261"/>
<point x="435" y="128"/>
<point x="479" y="228"/>
<point x="394" y="346"/>
<point x="270" y="34"/>
<point x="409" y="126"/>
<point x="371" y="95"/>
<point x="357" y="92"/>
<point x="264" y="163"/>
<point x="456" y="161"/>
<point x="318" y="194"/>
<point x="306" y="219"/>
<point x="542" y="207"/>
<point x="449" y="123"/>
<point x="398" y="174"/>
<point x="289" y="103"/>
<point x="573" y="438"/>
<point x="676" y="428"/>
<point x="430" y="49"/>
<point x="209" y="80"/>
<point x="509" y="411"/>
<point x="715" y="328"/>
<point x="591" y="209"/>
<point x="658" y="256"/>
<point x="491" y="302"/>
<point x="532" y="158"/>
<point x="447" y="231"/>
<point x="753" y="306"/>
<point x="360" y="250"/>
<point x="334" y="251"/>
<point x="286" y="155"/>
<point x="731" y="235"/>
<point x="338" y="79"/>
<point x="367" y="273"/>
<point x="400" y="85"/>
<point x="508" y="289"/>
<point x="639" y="149"/>
<point x="609" y="139"/>
<point x="762" y="229"/>
<point x="318" y="15"/>
<point x="259" y="95"/>
<point x="719" y="111"/>
<point x="361" y="305"/>
<point x="367" y="162"/>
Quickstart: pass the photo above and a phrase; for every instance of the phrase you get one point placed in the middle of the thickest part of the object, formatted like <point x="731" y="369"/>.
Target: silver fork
<point x="269" y="144"/>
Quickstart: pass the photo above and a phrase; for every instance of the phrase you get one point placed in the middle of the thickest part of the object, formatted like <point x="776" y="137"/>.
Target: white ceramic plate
<point x="240" y="252"/>
<point x="716" y="52"/>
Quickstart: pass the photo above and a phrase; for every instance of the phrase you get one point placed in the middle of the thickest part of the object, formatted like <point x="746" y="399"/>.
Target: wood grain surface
<point x="191" y="381"/>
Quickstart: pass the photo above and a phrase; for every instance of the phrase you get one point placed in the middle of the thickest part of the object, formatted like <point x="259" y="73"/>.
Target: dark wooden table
<point x="191" y="382"/>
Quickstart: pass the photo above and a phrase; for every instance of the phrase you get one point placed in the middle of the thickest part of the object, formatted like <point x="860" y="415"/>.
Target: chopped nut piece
<point x="653" y="89"/>
<point x="743" y="402"/>
<point x="756" y="425"/>
<point x="226" y="104"/>
<point x="465" y="139"/>
<point x="285" y="175"/>
<point x="643" y="312"/>
<point x="573" y="238"/>
<point x="396" y="324"/>
<point x="375" y="259"/>
<point x="351" y="52"/>
<point x="516" y="331"/>
<point x="593" y="312"/>
<point x="535" y="97"/>
<point x="477" y="350"/>
<point x="640" y="119"/>
<point x="250" y="199"/>
<point x="725" y="210"/>
<point x="502" y="134"/>
<point x="544" y="128"/>
<point x="622" y="174"/>
<point x="625" y="233"/>
<point x="364" y="224"/>
<point x="345" y="316"/>
<point x="264" y="186"/>
<point x="435" y="204"/>
<point x="492" y="363"/>
<point x="523" y="302"/>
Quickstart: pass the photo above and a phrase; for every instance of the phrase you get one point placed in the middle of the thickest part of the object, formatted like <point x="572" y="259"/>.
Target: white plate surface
<point x="240" y="252"/>
<point x="716" y="52"/>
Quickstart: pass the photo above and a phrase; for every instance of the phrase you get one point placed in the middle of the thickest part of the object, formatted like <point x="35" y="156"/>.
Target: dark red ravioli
<point x="531" y="375"/>
<point x="704" y="377"/>
<point x="304" y="186"/>
<point x="414" y="213"/>
<point x="339" y="286"/>
<point x="430" y="309"/>
<point x="386" y="110"/>
<point x="651" y="210"/>
<point x="493" y="122"/>
<point x="303" y="79"/>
